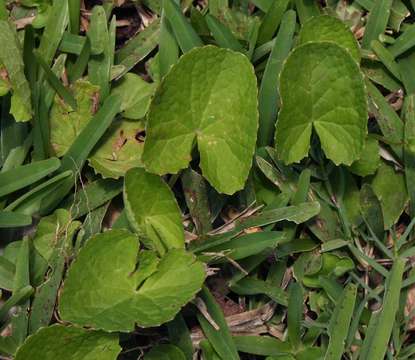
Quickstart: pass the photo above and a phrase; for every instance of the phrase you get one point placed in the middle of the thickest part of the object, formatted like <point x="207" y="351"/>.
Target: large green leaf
<point x="389" y="187"/>
<point x="322" y="89"/>
<point x="69" y="343"/>
<point x="328" y="28"/>
<point x="66" y="124"/>
<point x="103" y="287"/>
<point x="210" y="98"/>
<point x="11" y="59"/>
<point x="119" y="149"/>
<point x="152" y="210"/>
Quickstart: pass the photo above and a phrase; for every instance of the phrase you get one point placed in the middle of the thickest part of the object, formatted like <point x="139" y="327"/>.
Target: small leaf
<point x="69" y="343"/>
<point x="111" y="298"/>
<point x="119" y="149"/>
<point x="152" y="210"/>
<point x="369" y="159"/>
<point x="135" y="95"/>
<point x="390" y="188"/>
<point x="223" y="122"/>
<point x="327" y="95"/>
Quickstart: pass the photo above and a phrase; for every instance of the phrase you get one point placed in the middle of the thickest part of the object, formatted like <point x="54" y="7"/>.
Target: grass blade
<point x="272" y="20"/>
<point x="220" y="339"/>
<point x="268" y="92"/>
<point x="25" y="175"/>
<point x="222" y="34"/>
<point x="340" y="323"/>
<point x="381" y="323"/>
<point x="186" y="36"/>
<point x="377" y="21"/>
<point x="10" y="219"/>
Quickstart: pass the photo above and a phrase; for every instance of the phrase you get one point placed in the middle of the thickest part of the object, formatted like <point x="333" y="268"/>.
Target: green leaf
<point x="186" y="36"/>
<point x="223" y="122"/>
<point x="382" y="321"/>
<point x="327" y="95"/>
<point x="86" y="140"/>
<point x="377" y="20"/>
<point x="369" y="159"/>
<point x="55" y="26"/>
<point x="152" y="210"/>
<point x="66" y="124"/>
<point x="69" y="343"/>
<point x="135" y="95"/>
<point x="262" y="345"/>
<point x="220" y="338"/>
<point x="328" y="28"/>
<point x="51" y="229"/>
<point x="119" y="149"/>
<point x="340" y="323"/>
<point x="138" y="47"/>
<point x="106" y="297"/>
<point x="272" y="20"/>
<point x="25" y="175"/>
<point x="11" y="59"/>
<point x="10" y="219"/>
<point x="268" y="97"/>
<point x="165" y="352"/>
<point x="390" y="188"/>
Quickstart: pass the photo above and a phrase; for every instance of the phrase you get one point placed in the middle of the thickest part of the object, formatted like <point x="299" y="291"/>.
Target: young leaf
<point x="223" y="122"/>
<point x="89" y="297"/>
<point x="327" y="95"/>
<point x="152" y="210"/>
<point x="262" y="345"/>
<point x="328" y="28"/>
<point x="69" y="343"/>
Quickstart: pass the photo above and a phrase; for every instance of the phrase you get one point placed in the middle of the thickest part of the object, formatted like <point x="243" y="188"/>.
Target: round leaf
<point x="321" y="88"/>
<point x="210" y="98"/>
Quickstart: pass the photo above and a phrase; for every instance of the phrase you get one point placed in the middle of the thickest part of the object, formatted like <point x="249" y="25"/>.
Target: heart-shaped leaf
<point x="152" y="210"/>
<point x="210" y="98"/>
<point x="69" y="343"/>
<point x="321" y="88"/>
<point x="104" y="288"/>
